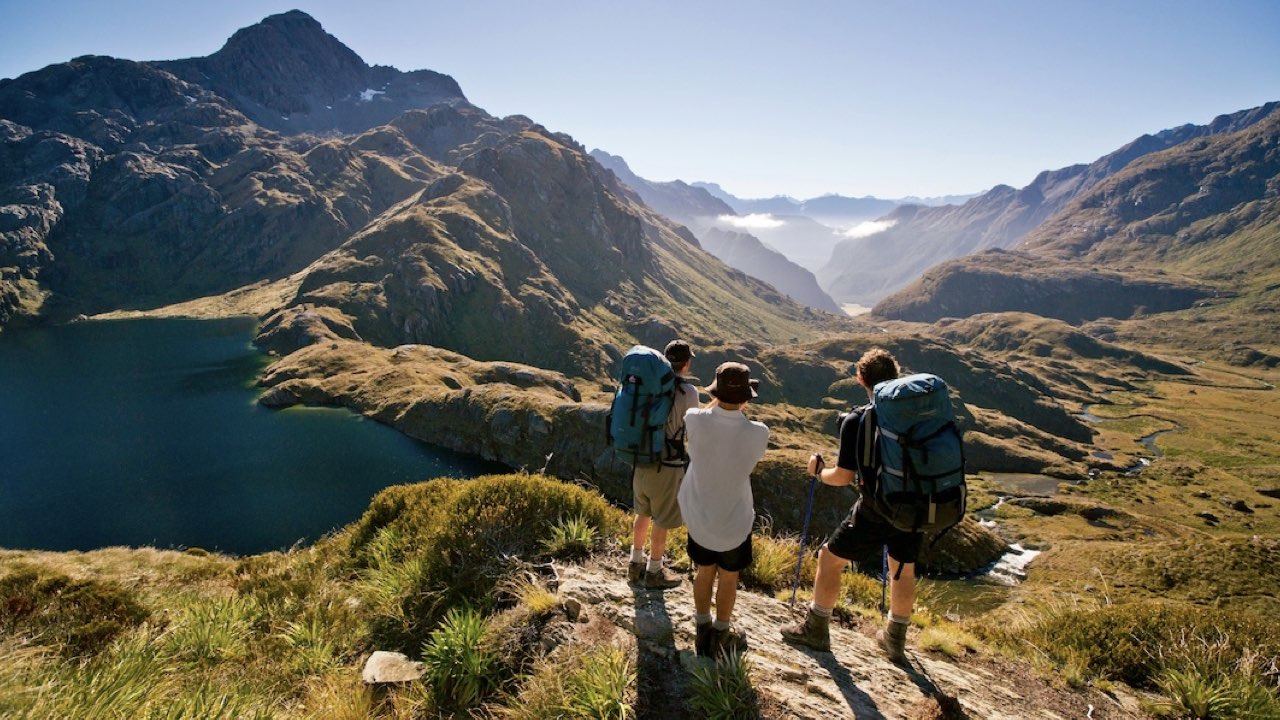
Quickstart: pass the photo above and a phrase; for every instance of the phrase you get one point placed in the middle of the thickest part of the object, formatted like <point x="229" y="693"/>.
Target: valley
<point x="472" y="281"/>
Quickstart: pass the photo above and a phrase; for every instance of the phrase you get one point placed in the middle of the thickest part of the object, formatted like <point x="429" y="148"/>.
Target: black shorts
<point x="864" y="532"/>
<point x="734" y="560"/>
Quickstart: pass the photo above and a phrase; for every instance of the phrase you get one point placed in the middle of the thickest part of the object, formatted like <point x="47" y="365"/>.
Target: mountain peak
<point x="288" y="74"/>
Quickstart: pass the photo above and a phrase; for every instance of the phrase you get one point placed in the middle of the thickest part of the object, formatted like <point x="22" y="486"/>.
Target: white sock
<point x="637" y="555"/>
<point x="900" y="619"/>
<point x="702" y="618"/>
<point x="655" y="564"/>
<point x="722" y="624"/>
<point x="821" y="611"/>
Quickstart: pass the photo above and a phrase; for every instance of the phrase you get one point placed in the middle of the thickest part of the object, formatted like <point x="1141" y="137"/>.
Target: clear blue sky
<point x="884" y="98"/>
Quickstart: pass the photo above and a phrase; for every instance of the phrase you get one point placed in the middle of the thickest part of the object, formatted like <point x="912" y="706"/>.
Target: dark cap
<point x="733" y="383"/>
<point x="678" y="352"/>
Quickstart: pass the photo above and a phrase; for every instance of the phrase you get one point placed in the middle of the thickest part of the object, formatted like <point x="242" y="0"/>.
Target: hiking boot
<point x="704" y="640"/>
<point x="814" y="632"/>
<point x="729" y="641"/>
<point x="661" y="579"/>
<point x="635" y="571"/>
<point x="893" y="641"/>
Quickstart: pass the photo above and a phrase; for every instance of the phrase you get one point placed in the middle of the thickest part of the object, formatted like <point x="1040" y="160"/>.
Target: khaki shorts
<point x="655" y="487"/>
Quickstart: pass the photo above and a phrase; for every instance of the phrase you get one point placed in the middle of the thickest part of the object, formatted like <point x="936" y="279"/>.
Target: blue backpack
<point x="919" y="472"/>
<point x="636" y="426"/>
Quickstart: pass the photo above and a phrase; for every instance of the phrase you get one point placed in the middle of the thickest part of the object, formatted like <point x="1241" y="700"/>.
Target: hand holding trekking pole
<point x="815" y="468"/>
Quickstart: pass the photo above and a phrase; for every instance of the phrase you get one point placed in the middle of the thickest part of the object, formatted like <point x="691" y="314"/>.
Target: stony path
<point x="854" y="681"/>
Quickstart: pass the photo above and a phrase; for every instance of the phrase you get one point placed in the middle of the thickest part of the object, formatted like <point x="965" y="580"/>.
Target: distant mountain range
<point x="834" y="210"/>
<point x="1142" y="232"/>
<point x="867" y="269"/>
<point x="705" y="215"/>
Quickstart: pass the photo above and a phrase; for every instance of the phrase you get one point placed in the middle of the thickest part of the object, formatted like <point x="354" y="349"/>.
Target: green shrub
<point x="421" y="549"/>
<point x="723" y="690"/>
<point x="460" y="668"/>
<point x="77" y="617"/>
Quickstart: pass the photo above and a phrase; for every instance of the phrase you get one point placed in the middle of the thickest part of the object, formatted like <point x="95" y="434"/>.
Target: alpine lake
<point x="148" y="433"/>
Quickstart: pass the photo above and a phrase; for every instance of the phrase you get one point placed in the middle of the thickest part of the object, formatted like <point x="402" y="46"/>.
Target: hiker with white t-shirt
<point x="717" y="505"/>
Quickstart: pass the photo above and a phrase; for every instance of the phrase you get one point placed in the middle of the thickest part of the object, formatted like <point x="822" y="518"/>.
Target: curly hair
<point x="877" y="365"/>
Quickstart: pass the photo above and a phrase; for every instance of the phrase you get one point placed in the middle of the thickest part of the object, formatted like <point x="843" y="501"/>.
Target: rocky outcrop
<point x="1004" y="281"/>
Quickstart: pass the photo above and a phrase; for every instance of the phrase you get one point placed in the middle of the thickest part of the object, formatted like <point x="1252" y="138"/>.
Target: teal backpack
<point x="920" y="484"/>
<point x="636" y="426"/>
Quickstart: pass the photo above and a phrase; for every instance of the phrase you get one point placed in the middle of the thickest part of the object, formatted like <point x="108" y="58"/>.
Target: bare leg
<point x="657" y="542"/>
<point x="638" y="530"/>
<point x="726" y="594"/>
<point x="703" y="583"/>
<point x="826" y="585"/>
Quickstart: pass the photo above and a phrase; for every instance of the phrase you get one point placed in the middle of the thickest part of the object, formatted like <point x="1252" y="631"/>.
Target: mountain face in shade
<point x="1200" y="219"/>
<point x="746" y="253"/>
<point x="286" y="73"/>
<point x="698" y="210"/>
<point x="866" y="269"/>
<point x="125" y="186"/>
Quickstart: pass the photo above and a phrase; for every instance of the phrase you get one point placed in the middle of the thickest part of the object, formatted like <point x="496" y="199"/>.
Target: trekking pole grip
<point x="813" y="486"/>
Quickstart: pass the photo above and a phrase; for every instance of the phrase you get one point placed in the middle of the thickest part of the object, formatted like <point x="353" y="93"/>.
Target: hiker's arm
<point x="836" y="476"/>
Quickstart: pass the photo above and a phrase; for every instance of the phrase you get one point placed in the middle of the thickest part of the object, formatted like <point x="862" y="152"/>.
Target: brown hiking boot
<point x="704" y="640"/>
<point x="635" y="571"/>
<point x="729" y="641"/>
<point x="814" y="632"/>
<point x="893" y="641"/>
<point x="661" y="579"/>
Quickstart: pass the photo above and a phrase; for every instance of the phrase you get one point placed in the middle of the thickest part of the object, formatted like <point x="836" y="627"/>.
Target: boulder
<point x="390" y="667"/>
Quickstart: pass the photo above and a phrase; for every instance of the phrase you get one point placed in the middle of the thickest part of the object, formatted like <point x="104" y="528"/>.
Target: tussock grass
<point x="283" y="634"/>
<point x="949" y="640"/>
<point x="598" y="684"/>
<point x="723" y="690"/>
<point x="571" y="538"/>
<point x="461" y="669"/>
<point x="773" y="564"/>
<point x="1195" y="654"/>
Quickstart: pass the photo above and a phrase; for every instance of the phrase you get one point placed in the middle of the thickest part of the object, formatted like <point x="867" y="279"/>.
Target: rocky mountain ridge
<point x="1195" y="221"/>
<point x="287" y="74"/>
<point x="868" y="269"/>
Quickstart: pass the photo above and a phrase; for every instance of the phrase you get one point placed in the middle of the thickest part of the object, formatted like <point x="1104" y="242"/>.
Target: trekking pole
<point x="813" y="485"/>
<point x="884" y="577"/>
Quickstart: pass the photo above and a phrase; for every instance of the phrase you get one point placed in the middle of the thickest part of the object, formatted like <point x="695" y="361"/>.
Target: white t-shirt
<point x="715" y="497"/>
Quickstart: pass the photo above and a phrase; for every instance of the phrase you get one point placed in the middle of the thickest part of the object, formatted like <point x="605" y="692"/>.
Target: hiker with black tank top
<point x="864" y="532"/>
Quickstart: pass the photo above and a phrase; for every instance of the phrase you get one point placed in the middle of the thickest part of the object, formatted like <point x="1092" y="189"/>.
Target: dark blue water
<point x="147" y="432"/>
